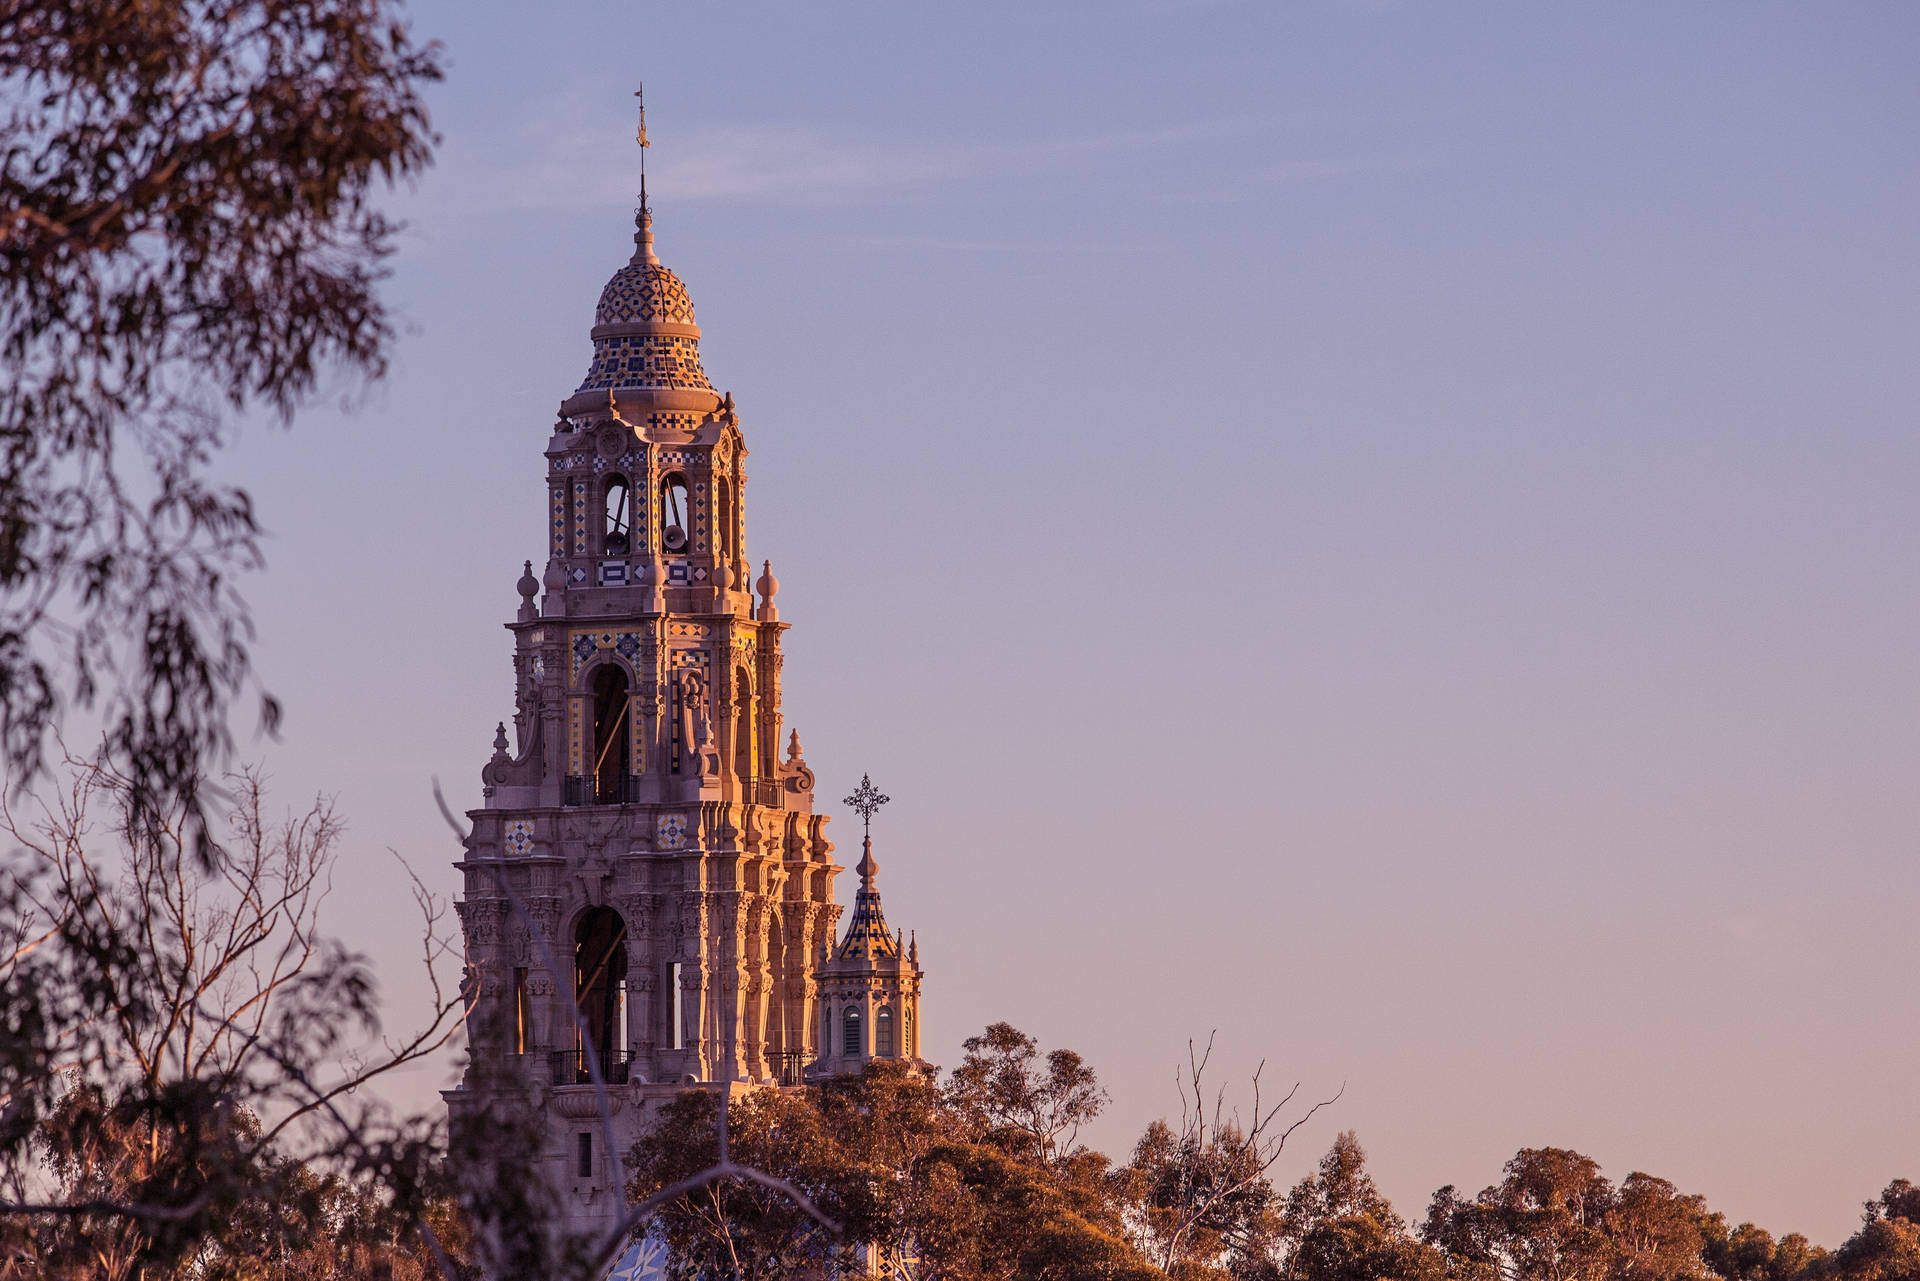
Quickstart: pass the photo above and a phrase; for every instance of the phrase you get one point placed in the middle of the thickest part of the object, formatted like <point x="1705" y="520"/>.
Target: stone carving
<point x="539" y="1008"/>
<point x="544" y="915"/>
<point x="483" y="919"/>
<point x="579" y="1102"/>
<point x="696" y="725"/>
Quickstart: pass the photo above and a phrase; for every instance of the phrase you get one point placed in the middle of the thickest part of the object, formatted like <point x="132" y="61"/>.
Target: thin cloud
<point x="565" y="155"/>
<point x="806" y="163"/>
<point x="955" y="244"/>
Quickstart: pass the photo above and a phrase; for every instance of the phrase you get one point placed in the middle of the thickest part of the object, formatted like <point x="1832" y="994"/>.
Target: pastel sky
<point x="1384" y="529"/>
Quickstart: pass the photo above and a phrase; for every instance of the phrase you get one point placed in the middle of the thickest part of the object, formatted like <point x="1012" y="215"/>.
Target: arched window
<point x="617" y="540"/>
<point x="599" y="987"/>
<point x="673" y="513"/>
<point x="850" y="1034"/>
<point x="723" y="527"/>
<point x="612" y="736"/>
<point x="883" y="1033"/>
<point x="826" y="1029"/>
<point x="742" y="723"/>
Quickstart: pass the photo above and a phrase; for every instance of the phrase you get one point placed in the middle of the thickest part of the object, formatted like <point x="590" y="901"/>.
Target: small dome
<point x="644" y="336"/>
<point x="644" y="293"/>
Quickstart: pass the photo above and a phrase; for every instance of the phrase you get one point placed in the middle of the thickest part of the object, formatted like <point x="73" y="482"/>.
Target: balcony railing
<point x="584" y="789"/>
<point x="788" y="1066"/>
<point x="569" y="1067"/>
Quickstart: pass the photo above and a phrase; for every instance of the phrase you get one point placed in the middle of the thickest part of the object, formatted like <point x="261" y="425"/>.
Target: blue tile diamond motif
<point x="644" y="1260"/>
<point x="583" y="648"/>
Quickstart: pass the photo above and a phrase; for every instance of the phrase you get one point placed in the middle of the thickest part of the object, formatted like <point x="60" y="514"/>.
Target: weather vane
<point x="865" y="800"/>
<point x="641" y="94"/>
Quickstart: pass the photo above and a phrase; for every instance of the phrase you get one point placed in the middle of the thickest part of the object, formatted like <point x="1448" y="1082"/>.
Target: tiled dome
<point x="641" y="293"/>
<point x="644" y="335"/>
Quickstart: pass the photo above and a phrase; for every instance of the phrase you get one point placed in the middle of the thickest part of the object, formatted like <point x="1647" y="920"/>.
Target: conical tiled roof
<point x="867" y="934"/>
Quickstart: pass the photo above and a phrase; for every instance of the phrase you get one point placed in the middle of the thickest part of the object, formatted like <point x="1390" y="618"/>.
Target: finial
<point x="913" y="947"/>
<point x="500" y="741"/>
<point x="865" y="800"/>
<point x="643" y="217"/>
<point x="768" y="587"/>
<point x="528" y="587"/>
<point x="793" y="746"/>
<point x="613" y="405"/>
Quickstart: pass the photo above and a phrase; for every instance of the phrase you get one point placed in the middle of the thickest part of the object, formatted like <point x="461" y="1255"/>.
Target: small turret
<point x="870" y="985"/>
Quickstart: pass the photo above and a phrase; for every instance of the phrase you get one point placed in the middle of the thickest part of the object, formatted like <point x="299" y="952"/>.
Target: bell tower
<point x="647" y="887"/>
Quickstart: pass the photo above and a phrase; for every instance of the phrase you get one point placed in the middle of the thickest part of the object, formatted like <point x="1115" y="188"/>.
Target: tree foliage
<point x="187" y="230"/>
<point x="183" y="1076"/>
<point x="984" y="1178"/>
<point x="977" y="1180"/>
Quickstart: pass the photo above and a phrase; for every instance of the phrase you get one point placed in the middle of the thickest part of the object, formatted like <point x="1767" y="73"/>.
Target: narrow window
<point x="677" y="702"/>
<point x="584" y="1156"/>
<point x="883" y="1033"/>
<point x="620" y="1004"/>
<point x="826" y="1029"/>
<point x="723" y="526"/>
<point x="850" y="1035"/>
<point x="617" y="539"/>
<point x="673" y="513"/>
<point x="677" y="1033"/>
<point x="520" y="1009"/>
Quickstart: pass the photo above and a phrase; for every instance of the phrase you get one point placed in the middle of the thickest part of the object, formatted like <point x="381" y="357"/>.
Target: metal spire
<point x="641" y="94"/>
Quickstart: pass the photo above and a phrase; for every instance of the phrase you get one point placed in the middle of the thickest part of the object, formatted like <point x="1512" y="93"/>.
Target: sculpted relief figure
<point x="696" y="725"/>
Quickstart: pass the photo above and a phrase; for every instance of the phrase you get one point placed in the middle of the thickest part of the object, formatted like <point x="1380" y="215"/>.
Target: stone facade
<point x="648" y="891"/>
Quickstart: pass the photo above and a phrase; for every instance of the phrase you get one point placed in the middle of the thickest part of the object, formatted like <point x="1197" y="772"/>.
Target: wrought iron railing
<point x="585" y="789"/>
<point x="787" y="1066"/>
<point x="569" y="1067"/>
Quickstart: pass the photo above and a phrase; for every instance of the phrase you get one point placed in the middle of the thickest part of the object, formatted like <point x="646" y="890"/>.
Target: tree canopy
<point x="188" y="230"/>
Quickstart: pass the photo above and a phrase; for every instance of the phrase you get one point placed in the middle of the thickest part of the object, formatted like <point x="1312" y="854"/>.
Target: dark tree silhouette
<point x="187" y="232"/>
